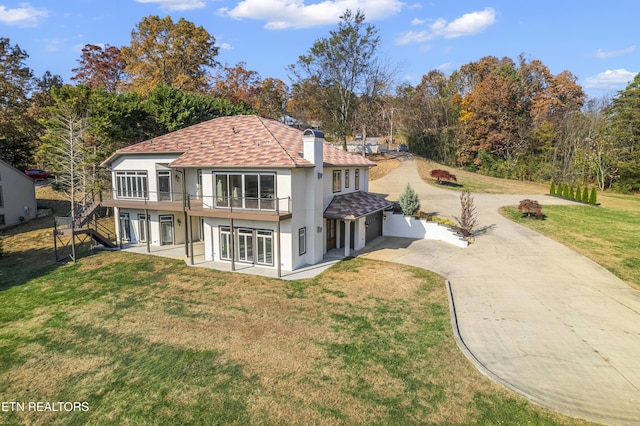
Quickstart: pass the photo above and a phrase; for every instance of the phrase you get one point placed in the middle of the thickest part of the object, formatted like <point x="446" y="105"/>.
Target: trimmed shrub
<point x="578" y="194"/>
<point x="409" y="202"/>
<point x="441" y="175"/>
<point x="565" y="191"/>
<point x="572" y="193"/>
<point x="552" y="189"/>
<point x="528" y="207"/>
<point x="585" y="195"/>
<point x="593" y="196"/>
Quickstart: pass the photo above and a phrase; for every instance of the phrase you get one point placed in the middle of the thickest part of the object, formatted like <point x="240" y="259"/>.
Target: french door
<point x="166" y="230"/>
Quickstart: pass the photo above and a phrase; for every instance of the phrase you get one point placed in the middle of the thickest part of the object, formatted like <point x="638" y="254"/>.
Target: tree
<point x="237" y="84"/>
<point x="529" y="207"/>
<point x="171" y="109"/>
<point x="409" y="201"/>
<point x="346" y="67"/>
<point x="585" y="195"/>
<point x="163" y="52"/>
<point x="593" y="197"/>
<point x="468" y="219"/>
<point x="100" y="67"/>
<point x="625" y="131"/>
<point x="441" y="175"/>
<point x="16" y="127"/>
<point x="552" y="189"/>
<point x="64" y="145"/>
<point x="272" y="98"/>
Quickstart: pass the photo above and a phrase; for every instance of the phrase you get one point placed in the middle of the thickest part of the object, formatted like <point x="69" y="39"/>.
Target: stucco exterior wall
<point x="18" y="196"/>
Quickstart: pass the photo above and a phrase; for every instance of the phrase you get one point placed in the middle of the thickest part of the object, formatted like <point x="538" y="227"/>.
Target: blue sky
<point x="595" y="40"/>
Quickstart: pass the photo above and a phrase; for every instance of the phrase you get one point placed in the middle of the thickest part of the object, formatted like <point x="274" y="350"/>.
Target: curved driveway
<point x="531" y="313"/>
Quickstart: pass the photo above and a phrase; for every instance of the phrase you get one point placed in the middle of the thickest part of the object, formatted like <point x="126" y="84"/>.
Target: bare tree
<point x="65" y="151"/>
<point x="468" y="219"/>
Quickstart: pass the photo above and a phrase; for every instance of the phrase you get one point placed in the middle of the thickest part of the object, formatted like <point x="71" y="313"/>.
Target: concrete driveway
<point x="530" y="313"/>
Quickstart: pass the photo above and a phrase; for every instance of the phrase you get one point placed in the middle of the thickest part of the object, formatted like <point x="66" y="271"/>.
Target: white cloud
<point x="225" y="46"/>
<point x="177" y="4"/>
<point x="23" y="16"/>
<point x="413" y="37"/>
<point x="417" y="21"/>
<point x="282" y="14"/>
<point x="611" y="54"/>
<point x="468" y="24"/>
<point x="610" y="79"/>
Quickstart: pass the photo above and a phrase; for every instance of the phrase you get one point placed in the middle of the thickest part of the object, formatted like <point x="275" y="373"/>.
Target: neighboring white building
<point x="17" y="196"/>
<point x="255" y="190"/>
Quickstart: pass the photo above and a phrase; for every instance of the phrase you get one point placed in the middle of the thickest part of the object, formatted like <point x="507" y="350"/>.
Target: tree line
<point x="498" y="116"/>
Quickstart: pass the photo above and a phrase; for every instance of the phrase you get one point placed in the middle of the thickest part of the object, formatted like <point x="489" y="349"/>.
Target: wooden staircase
<point x="81" y="226"/>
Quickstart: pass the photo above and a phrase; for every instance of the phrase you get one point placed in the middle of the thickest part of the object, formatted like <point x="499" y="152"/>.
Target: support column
<point x="347" y="238"/>
<point x="279" y="251"/>
<point x="233" y="247"/>
<point x="186" y="234"/>
<point x="148" y="226"/>
<point x="191" y="239"/>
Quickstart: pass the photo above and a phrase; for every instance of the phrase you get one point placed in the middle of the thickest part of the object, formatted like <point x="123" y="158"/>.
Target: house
<point x="254" y="190"/>
<point x="17" y="196"/>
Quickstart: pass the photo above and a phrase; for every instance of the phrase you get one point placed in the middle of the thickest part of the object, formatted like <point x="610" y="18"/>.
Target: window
<point x="346" y="178"/>
<point x="164" y="185"/>
<point x="337" y="180"/>
<point x="131" y="184"/>
<point x="1" y="199"/>
<point x="357" y="180"/>
<point x="1" y="220"/>
<point x="247" y="191"/>
<point x="302" y="241"/>
<point x="225" y="243"/>
<point x="264" y="240"/>
<point x="166" y="230"/>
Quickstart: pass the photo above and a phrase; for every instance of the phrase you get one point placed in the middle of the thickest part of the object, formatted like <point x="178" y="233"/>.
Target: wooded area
<point x="501" y="117"/>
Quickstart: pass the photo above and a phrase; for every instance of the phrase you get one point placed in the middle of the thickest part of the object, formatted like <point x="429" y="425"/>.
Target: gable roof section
<point x="355" y="205"/>
<point x="238" y="141"/>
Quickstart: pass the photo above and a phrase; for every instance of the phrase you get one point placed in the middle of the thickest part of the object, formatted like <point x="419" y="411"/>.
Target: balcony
<point x="249" y="208"/>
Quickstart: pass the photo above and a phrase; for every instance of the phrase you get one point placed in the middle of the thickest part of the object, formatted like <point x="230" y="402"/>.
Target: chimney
<point x="313" y="142"/>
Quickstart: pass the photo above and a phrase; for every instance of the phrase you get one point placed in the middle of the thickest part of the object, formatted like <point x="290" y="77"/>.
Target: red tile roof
<point x="355" y="205"/>
<point x="239" y="141"/>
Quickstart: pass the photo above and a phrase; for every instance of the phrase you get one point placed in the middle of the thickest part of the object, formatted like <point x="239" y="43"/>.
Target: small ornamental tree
<point x="441" y="175"/>
<point x="585" y="195"/>
<point x="571" y="193"/>
<point x="559" y="190"/>
<point x="565" y="191"/>
<point x="552" y="189"/>
<point x="592" y="197"/>
<point x="468" y="219"/>
<point x="528" y="207"/>
<point x="409" y="202"/>
<point x="578" y="194"/>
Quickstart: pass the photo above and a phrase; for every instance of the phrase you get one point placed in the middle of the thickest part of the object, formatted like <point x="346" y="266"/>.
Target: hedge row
<point x="565" y="190"/>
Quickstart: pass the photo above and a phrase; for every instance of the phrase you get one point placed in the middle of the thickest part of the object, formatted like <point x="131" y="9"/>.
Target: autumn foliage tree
<point x="441" y="175"/>
<point x="178" y="54"/>
<point x="530" y="207"/>
<point x="100" y="67"/>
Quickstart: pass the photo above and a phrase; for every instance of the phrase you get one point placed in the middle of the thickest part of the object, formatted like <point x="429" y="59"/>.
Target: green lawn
<point x="609" y="234"/>
<point x="146" y="340"/>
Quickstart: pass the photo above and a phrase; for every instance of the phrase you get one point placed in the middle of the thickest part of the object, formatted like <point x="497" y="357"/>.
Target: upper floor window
<point x="337" y="180"/>
<point x="356" y="176"/>
<point x="245" y="190"/>
<point x="346" y="178"/>
<point x="131" y="184"/>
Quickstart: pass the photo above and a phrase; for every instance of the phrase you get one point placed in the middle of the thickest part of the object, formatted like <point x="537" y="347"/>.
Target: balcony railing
<point x="191" y="201"/>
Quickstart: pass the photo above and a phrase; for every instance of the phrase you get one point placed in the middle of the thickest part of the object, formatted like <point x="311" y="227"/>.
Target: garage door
<point x="374" y="226"/>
